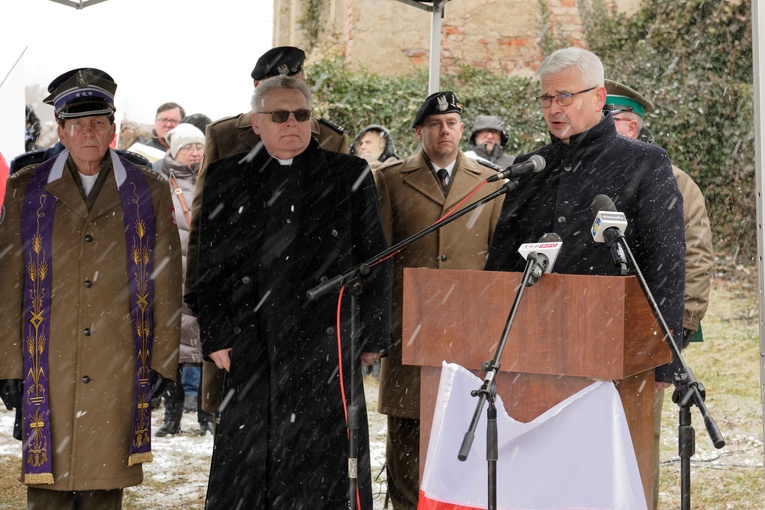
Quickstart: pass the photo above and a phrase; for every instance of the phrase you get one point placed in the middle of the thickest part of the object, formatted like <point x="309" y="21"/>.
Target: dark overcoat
<point x="637" y="177"/>
<point x="269" y="233"/>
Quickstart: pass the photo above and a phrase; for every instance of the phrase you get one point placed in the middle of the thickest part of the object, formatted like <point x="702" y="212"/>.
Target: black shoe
<point x="190" y="404"/>
<point x="169" y="428"/>
<point x="205" y="427"/>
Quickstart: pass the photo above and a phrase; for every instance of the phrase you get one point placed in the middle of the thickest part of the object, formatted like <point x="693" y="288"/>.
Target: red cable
<point x="340" y="373"/>
<point x="337" y="323"/>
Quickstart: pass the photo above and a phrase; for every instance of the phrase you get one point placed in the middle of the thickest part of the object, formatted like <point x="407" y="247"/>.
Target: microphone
<point x="535" y="164"/>
<point x="542" y="253"/>
<point x="608" y="227"/>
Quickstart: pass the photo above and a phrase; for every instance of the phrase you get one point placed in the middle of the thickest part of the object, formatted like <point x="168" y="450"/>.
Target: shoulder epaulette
<point x="224" y="119"/>
<point x="134" y="157"/>
<point x="30" y="158"/>
<point x="331" y="125"/>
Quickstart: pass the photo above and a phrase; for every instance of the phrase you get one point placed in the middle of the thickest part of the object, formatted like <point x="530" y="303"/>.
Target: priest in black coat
<point x="273" y="223"/>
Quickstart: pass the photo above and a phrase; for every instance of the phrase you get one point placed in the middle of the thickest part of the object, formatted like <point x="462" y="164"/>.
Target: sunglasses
<point x="281" y="116"/>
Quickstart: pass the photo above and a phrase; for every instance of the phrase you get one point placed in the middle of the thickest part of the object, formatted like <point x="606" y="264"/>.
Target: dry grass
<point x="727" y="364"/>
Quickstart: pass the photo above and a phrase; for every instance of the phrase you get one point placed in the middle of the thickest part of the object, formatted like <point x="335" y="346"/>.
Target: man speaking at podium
<point x="585" y="158"/>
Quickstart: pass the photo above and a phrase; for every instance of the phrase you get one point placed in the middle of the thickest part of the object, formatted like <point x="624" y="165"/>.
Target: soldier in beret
<point x="91" y="287"/>
<point x="232" y="135"/>
<point x="628" y="109"/>
<point x="414" y="193"/>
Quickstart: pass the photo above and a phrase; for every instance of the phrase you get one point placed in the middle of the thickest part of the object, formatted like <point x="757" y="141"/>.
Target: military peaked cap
<point x="81" y="93"/>
<point x="622" y="98"/>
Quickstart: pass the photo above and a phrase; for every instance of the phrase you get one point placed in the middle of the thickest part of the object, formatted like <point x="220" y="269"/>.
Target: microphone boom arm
<point x="339" y="280"/>
<point x="685" y="376"/>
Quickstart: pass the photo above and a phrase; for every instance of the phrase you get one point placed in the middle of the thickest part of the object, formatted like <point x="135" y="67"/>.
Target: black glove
<point x="10" y="392"/>
<point x="159" y="385"/>
<point x="687" y="334"/>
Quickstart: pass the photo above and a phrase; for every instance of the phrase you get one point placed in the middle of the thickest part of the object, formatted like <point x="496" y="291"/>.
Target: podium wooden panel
<point x="569" y="330"/>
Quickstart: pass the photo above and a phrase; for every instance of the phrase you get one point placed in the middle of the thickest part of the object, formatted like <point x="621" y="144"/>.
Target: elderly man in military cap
<point x="628" y="109"/>
<point x="232" y="135"/>
<point x="414" y="193"/>
<point x="91" y="305"/>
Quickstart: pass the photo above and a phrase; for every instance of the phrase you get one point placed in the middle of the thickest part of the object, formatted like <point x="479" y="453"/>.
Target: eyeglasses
<point x="562" y="99"/>
<point x="281" y="116"/>
<point x="165" y="120"/>
<point x="195" y="147"/>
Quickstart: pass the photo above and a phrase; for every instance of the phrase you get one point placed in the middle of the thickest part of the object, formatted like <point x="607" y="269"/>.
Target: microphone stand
<point x="688" y="392"/>
<point x="354" y="289"/>
<point x="488" y="390"/>
<point x="352" y="279"/>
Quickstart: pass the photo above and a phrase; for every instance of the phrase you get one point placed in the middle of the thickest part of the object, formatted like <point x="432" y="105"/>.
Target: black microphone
<point x="608" y="227"/>
<point x="535" y="164"/>
<point x="542" y="253"/>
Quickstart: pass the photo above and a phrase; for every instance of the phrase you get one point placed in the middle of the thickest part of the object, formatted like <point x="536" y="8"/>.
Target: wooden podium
<point x="569" y="330"/>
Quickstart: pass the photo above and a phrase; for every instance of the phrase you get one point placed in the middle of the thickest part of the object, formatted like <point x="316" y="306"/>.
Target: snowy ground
<point x="177" y="478"/>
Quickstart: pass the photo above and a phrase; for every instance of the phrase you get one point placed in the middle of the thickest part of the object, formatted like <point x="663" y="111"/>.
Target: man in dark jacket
<point x="586" y="158"/>
<point x="488" y="141"/>
<point x="270" y="229"/>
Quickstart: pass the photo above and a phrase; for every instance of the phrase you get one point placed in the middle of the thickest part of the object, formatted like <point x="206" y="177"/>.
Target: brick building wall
<point x="388" y="37"/>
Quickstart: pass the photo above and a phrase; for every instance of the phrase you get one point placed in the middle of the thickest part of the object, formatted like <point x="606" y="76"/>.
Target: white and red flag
<point x="577" y="455"/>
<point x="4" y="171"/>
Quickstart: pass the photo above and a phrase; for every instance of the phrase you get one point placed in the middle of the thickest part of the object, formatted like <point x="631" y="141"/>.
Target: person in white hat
<point x="180" y="166"/>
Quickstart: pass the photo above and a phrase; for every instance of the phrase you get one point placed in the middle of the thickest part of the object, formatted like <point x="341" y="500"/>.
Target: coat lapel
<point x="108" y="198"/>
<point x="419" y="176"/>
<point x="465" y="178"/>
<point x="65" y="190"/>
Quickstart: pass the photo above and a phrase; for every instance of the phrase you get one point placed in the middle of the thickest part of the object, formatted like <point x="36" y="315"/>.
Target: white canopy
<point x="79" y="4"/>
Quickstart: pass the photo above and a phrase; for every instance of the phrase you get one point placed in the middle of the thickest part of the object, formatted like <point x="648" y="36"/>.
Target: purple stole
<point x="37" y="237"/>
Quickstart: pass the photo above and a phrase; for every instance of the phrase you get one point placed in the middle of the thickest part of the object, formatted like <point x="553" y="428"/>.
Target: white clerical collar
<point x="284" y="162"/>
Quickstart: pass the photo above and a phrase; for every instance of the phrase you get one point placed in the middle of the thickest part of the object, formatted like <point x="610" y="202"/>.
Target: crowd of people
<point x="177" y="274"/>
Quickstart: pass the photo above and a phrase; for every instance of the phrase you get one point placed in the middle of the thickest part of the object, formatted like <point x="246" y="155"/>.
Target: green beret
<point x="622" y="98"/>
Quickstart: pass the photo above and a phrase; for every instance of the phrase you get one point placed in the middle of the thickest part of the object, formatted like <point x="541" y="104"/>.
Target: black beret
<point x="438" y="104"/>
<point x="286" y="60"/>
<point x="82" y="92"/>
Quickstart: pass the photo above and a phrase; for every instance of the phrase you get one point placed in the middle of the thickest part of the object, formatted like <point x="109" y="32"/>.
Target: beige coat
<point x="411" y="199"/>
<point x="699" y="255"/>
<point x="91" y="357"/>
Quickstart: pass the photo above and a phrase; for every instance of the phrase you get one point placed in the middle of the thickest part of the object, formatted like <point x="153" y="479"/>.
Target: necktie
<point x="442" y="175"/>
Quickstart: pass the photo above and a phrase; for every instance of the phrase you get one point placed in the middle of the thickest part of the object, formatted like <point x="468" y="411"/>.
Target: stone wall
<point x="389" y="37"/>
